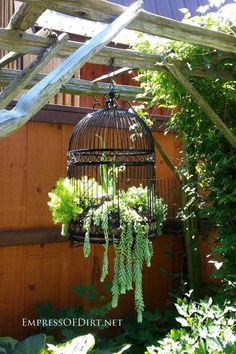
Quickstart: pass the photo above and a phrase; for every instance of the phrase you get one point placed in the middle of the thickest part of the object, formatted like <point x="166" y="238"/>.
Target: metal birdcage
<point x="114" y="145"/>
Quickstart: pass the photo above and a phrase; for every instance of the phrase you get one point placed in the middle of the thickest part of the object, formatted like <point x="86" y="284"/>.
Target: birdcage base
<point x="76" y="231"/>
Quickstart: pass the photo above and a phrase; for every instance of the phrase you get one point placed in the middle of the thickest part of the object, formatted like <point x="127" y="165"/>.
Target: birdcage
<point x="110" y="151"/>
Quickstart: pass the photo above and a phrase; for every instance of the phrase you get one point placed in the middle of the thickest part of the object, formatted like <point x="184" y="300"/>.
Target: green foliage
<point x="155" y="324"/>
<point x="82" y="344"/>
<point x="88" y="293"/>
<point x="7" y="345"/>
<point x="207" y="327"/>
<point x="31" y="345"/>
<point x="38" y="344"/>
<point x="132" y="247"/>
<point x="141" y="335"/>
<point x="70" y="197"/>
<point x="210" y="165"/>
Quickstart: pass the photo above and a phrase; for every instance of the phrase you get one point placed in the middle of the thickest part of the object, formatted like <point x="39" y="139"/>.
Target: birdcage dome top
<point x="111" y="128"/>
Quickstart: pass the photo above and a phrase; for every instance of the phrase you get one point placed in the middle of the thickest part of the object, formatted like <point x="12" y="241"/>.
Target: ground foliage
<point x="138" y="336"/>
<point x="207" y="327"/>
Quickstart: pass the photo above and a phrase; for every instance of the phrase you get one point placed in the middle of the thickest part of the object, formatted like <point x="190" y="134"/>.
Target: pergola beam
<point x="11" y="56"/>
<point x="29" y="104"/>
<point x="217" y="121"/>
<point x="25" y="76"/>
<point x="26" y="16"/>
<point x="77" y="86"/>
<point x="32" y="44"/>
<point x="104" y="11"/>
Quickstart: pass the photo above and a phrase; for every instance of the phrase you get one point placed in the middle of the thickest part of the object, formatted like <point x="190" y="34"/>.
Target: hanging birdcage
<point x="110" y="151"/>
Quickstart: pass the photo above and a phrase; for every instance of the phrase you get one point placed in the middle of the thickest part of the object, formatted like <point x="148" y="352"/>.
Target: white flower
<point x="203" y="9"/>
<point x="216" y="3"/>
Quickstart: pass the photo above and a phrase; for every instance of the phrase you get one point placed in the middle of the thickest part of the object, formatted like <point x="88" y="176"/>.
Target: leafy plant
<point x="132" y="246"/>
<point x="155" y="324"/>
<point x="37" y="344"/>
<point x="70" y="197"/>
<point x="140" y="335"/>
<point x="209" y="168"/>
<point x="207" y="327"/>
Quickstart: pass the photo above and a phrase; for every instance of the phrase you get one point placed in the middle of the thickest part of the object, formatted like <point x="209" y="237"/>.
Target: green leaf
<point x="82" y="344"/>
<point x="31" y="345"/>
<point x="7" y="344"/>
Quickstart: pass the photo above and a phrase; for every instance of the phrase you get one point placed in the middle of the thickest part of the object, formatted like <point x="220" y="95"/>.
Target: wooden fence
<point x="31" y="161"/>
<point x="33" y="270"/>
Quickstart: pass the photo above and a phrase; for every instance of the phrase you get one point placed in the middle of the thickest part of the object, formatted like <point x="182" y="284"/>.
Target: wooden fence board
<point x="76" y="270"/>
<point x="13" y="181"/>
<point x="11" y="290"/>
<point x="42" y="278"/>
<point x="44" y="168"/>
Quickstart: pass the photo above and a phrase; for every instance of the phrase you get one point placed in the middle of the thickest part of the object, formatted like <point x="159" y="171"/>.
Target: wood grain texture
<point x="11" y="56"/>
<point x="26" y="16"/>
<point x="44" y="158"/>
<point x="12" y="280"/>
<point x="13" y="181"/>
<point x="26" y="75"/>
<point x="146" y="22"/>
<point x="32" y="44"/>
<point x="77" y="87"/>
<point x="42" y="278"/>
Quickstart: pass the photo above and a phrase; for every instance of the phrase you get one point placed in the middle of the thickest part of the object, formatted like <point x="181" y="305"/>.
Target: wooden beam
<point x="11" y="56"/>
<point x="32" y="44"/>
<point x="35" y="99"/>
<point x="26" y="16"/>
<point x="104" y="11"/>
<point x="34" y="236"/>
<point x="77" y="86"/>
<point x="18" y="84"/>
<point x="29" y="43"/>
<point x="225" y="131"/>
<point x="53" y="235"/>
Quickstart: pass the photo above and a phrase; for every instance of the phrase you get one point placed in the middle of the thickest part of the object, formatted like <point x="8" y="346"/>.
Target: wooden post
<point x="203" y="104"/>
<point x="35" y="99"/>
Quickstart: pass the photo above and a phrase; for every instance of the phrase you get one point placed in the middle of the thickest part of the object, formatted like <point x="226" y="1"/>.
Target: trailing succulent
<point x="71" y="199"/>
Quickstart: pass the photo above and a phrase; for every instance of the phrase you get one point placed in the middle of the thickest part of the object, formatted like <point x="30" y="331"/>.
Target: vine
<point x="210" y="167"/>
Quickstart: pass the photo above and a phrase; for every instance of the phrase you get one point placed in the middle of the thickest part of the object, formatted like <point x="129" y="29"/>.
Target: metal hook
<point x="97" y="103"/>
